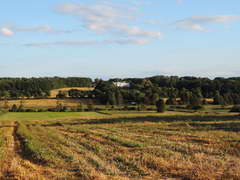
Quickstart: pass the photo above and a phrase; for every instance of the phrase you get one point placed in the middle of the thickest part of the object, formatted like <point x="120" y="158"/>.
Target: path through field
<point x="13" y="166"/>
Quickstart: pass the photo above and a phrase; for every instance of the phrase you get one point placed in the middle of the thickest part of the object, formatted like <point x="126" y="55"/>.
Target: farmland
<point x="119" y="145"/>
<point x="54" y="92"/>
<point x="42" y="103"/>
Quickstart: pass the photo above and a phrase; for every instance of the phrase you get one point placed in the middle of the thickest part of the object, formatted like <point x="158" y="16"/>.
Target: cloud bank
<point x="106" y="18"/>
<point x="199" y="23"/>
<point x="89" y="43"/>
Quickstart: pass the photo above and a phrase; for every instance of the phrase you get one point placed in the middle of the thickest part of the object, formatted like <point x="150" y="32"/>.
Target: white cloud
<point x="197" y="22"/>
<point x="6" y="32"/>
<point x="106" y="18"/>
<point x="44" y="28"/>
<point x="10" y="30"/>
<point x="41" y="28"/>
<point x="90" y="43"/>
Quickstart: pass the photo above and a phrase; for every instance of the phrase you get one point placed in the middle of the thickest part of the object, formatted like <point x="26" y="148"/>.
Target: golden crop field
<point x="54" y="92"/>
<point x="119" y="145"/>
<point x="45" y="103"/>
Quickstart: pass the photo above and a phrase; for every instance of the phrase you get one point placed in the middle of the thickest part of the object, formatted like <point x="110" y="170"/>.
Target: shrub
<point x="80" y="108"/>
<point x="161" y="106"/>
<point x="14" y="108"/>
<point x="142" y="107"/>
<point x="73" y="109"/>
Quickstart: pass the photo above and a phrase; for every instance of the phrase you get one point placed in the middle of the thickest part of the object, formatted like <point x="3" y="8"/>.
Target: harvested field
<point x="119" y="145"/>
<point x="54" y="92"/>
<point x="45" y="103"/>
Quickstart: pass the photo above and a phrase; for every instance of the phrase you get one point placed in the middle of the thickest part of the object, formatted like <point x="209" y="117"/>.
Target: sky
<point x="119" y="38"/>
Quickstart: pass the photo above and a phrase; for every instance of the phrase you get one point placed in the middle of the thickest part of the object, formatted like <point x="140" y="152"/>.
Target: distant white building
<point x="121" y="84"/>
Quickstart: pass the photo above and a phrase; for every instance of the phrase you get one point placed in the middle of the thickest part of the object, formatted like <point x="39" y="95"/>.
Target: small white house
<point x="121" y="84"/>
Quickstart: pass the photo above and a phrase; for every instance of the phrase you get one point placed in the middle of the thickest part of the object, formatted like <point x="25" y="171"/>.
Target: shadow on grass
<point x="163" y="119"/>
<point x="224" y="126"/>
<point x="193" y="120"/>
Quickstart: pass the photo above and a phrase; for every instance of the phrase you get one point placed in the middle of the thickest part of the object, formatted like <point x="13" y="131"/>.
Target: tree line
<point x="14" y="88"/>
<point x="178" y="90"/>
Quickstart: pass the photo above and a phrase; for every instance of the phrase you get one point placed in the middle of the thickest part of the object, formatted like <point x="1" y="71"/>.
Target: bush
<point x="235" y="108"/>
<point x="80" y="108"/>
<point x="142" y="107"/>
<point x="73" y="109"/>
<point x="14" y="108"/>
<point x="161" y="106"/>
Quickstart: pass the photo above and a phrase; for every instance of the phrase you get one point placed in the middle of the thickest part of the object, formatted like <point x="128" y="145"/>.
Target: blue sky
<point x="127" y="38"/>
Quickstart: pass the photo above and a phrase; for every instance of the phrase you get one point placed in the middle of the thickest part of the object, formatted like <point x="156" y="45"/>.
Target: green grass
<point x="33" y="148"/>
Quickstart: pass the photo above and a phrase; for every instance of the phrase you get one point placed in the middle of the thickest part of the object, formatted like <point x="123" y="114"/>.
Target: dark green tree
<point x="218" y="99"/>
<point x="161" y="106"/>
<point x="119" y="97"/>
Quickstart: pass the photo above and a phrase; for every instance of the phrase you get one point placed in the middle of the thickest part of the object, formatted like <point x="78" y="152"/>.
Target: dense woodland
<point x="178" y="90"/>
<point x="13" y="88"/>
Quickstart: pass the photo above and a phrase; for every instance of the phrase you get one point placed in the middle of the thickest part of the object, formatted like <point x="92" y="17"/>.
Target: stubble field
<point x="119" y="145"/>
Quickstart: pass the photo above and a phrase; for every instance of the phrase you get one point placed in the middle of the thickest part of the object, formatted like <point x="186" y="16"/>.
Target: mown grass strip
<point x="121" y="141"/>
<point x="32" y="148"/>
